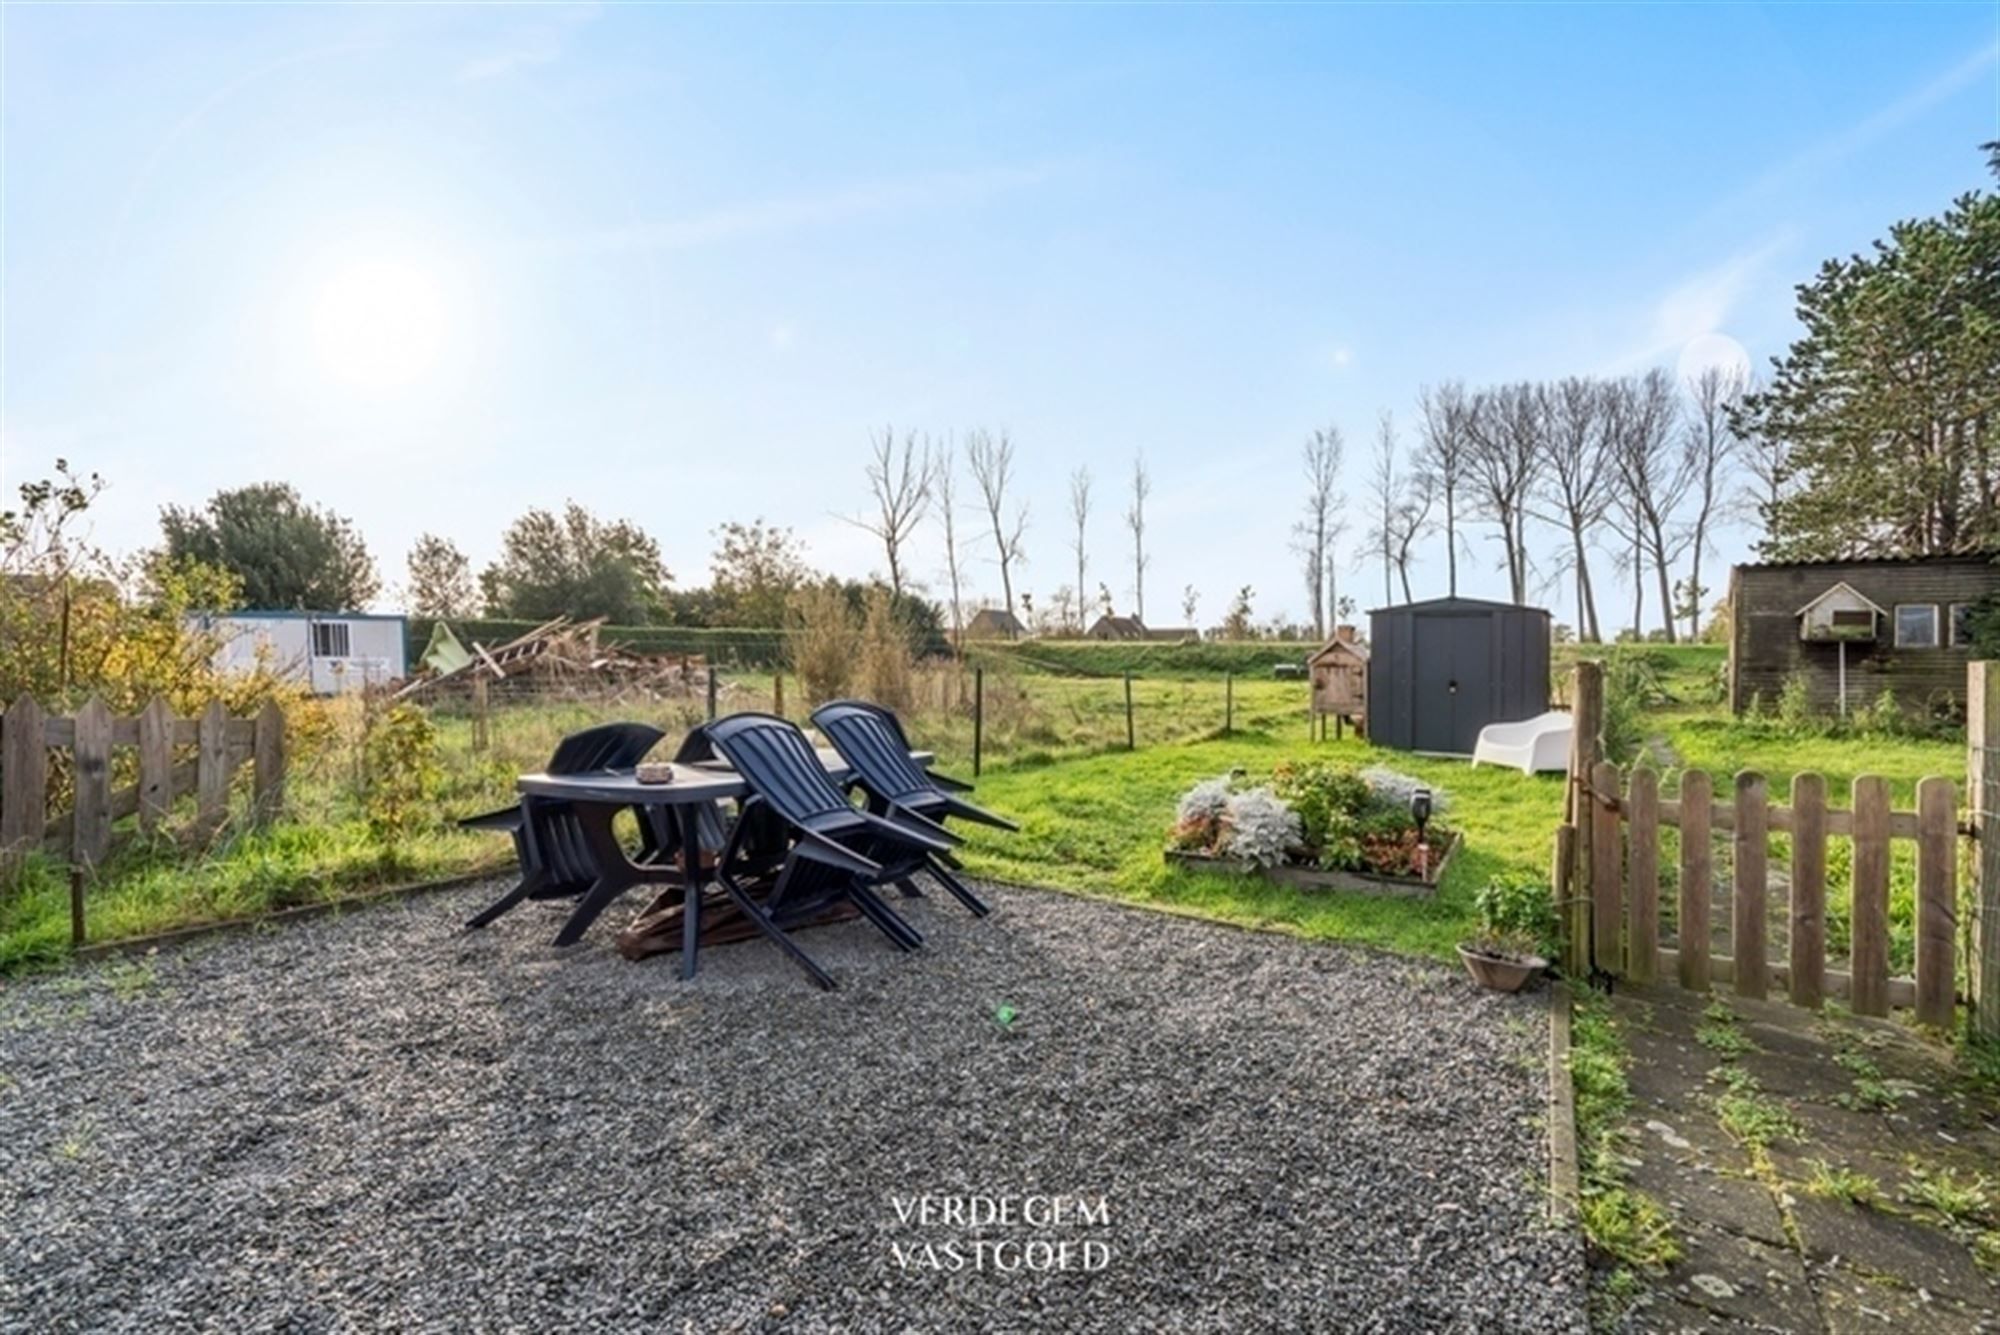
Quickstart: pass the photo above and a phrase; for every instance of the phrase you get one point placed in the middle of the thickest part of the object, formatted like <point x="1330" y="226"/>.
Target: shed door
<point x="1435" y="684"/>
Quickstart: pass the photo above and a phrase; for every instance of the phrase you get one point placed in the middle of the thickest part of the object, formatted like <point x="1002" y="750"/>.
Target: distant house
<point x="995" y="623"/>
<point x="330" y="652"/>
<point x="1110" y="627"/>
<point x="1849" y="630"/>
<point x="1172" y="634"/>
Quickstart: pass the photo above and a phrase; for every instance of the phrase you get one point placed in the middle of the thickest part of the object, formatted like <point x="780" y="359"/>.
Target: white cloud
<point x="1698" y="304"/>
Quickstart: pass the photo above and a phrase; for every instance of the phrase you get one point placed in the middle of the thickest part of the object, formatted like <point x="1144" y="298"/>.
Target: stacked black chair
<point x="836" y="851"/>
<point x="556" y="862"/>
<point x="872" y="742"/>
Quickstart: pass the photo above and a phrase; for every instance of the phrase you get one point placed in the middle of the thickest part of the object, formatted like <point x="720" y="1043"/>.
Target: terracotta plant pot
<point x="1500" y="973"/>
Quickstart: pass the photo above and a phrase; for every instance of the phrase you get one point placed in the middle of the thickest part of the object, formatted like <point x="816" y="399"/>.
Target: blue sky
<point x="677" y="263"/>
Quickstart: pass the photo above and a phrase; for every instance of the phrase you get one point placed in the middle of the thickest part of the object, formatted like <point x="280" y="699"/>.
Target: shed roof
<point x="1354" y="647"/>
<point x="1443" y="605"/>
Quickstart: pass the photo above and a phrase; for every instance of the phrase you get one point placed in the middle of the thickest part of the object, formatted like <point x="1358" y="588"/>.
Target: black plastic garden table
<point x="599" y="796"/>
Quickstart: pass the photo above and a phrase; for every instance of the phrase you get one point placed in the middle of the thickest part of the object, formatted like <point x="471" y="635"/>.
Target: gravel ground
<point x="373" y="1122"/>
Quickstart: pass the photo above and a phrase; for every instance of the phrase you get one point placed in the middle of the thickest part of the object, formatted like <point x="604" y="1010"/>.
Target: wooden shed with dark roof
<point x="1850" y="630"/>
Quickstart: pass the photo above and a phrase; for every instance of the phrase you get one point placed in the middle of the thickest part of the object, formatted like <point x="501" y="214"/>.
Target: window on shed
<point x="1961" y="625"/>
<point x="1916" y="626"/>
<point x="330" y="640"/>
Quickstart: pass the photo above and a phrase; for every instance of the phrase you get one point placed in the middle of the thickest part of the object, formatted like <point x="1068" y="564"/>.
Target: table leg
<point x="690" y="826"/>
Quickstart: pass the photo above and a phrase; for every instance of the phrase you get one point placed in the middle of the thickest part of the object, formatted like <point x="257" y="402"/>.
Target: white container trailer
<point x="329" y="651"/>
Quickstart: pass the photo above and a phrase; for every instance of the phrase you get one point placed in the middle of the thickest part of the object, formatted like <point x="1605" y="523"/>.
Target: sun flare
<point x="378" y="324"/>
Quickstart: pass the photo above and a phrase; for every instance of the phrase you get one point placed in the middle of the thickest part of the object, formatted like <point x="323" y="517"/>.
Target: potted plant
<point x="1514" y="920"/>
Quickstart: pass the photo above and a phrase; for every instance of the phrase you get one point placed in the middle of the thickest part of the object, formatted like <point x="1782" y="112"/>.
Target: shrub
<point x="1795" y="711"/>
<point x="886" y="661"/>
<point x="1392" y="791"/>
<point x="1515" y="914"/>
<point x="1880" y="717"/>
<point x="404" y="778"/>
<point x="1328" y="798"/>
<point x="1262" y="830"/>
<point x="1198" y="820"/>
<point x="824" y="641"/>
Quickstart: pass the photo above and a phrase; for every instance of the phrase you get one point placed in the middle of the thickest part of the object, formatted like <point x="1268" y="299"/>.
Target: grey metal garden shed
<point x="1439" y="671"/>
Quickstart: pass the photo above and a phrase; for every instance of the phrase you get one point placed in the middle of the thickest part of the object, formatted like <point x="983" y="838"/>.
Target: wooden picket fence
<point x="82" y="834"/>
<point x="1607" y="871"/>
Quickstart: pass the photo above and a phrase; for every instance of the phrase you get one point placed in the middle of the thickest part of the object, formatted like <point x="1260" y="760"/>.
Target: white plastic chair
<point x="1533" y="746"/>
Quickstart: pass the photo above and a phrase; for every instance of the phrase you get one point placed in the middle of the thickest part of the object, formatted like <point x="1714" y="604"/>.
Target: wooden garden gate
<point x="1607" y="873"/>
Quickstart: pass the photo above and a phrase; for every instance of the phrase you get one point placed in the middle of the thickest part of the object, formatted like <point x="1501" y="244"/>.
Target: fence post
<point x="1697" y="879"/>
<point x="479" y="703"/>
<point x="24" y="783"/>
<point x="1753" y="848"/>
<point x="1808" y="934"/>
<point x="778" y="694"/>
<point x="1937" y="902"/>
<point x="156" y="764"/>
<point x="1228" y="703"/>
<point x="1585" y="747"/>
<point x="711" y="691"/>
<point x="1607" y="870"/>
<point x="1982" y="791"/>
<point x="90" y="821"/>
<point x="978" y="715"/>
<point x="1642" y="871"/>
<point x="1131" y="738"/>
<point x="267" y="777"/>
<point x="212" y="767"/>
<point x="76" y="933"/>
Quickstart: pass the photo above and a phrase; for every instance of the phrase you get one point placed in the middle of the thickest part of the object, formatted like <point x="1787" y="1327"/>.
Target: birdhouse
<point x="1340" y="677"/>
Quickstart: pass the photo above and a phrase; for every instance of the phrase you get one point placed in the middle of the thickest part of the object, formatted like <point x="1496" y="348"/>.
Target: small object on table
<point x="656" y="771"/>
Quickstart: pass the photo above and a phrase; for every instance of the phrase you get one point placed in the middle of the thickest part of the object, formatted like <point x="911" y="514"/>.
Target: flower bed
<point x="1317" y="826"/>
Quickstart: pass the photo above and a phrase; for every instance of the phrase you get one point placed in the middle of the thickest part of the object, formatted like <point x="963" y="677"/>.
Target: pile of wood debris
<point x="560" y="659"/>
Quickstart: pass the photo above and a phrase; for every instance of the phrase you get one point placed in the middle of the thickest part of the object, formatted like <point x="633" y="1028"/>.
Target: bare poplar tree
<point x="1410" y="521"/>
<point x="901" y="487"/>
<point x="1575" y="482"/>
<point x="1135" y="519"/>
<point x="1505" y="430"/>
<point x="1079" y="513"/>
<point x="1652" y="480"/>
<point x="1446" y="410"/>
<point x="1709" y="451"/>
<point x="992" y="460"/>
<point x="1313" y="535"/>
<point x="944" y="483"/>
<point x="1764" y="456"/>
<point x="1383" y="494"/>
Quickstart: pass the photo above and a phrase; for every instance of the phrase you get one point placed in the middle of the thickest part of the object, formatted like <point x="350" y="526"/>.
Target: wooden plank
<point x="1562" y="866"/>
<point x="268" y="775"/>
<point x="1747" y="942"/>
<point x="1937" y="902"/>
<point x="1808" y="906"/>
<point x="1839" y="983"/>
<point x="1868" y="913"/>
<point x="1642" y="872"/>
<point x="1982" y="794"/>
<point x="24" y="783"/>
<point x="241" y="732"/>
<point x="124" y="802"/>
<point x="212" y="767"/>
<point x="1697" y="881"/>
<point x="187" y="732"/>
<point x="156" y="764"/>
<point x="90" y="838"/>
<point x="1779" y="820"/>
<point x="1585" y="747"/>
<point x="1607" y="889"/>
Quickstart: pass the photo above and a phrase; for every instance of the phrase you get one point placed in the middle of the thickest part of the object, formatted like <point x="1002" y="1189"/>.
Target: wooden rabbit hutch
<point x="1339" y="671"/>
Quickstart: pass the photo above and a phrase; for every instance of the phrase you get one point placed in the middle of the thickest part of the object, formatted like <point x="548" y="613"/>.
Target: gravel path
<point x="371" y="1122"/>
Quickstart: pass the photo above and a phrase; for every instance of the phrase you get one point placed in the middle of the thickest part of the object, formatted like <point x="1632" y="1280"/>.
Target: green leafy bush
<point x="1516" y="914"/>
<point x="404" y="778"/>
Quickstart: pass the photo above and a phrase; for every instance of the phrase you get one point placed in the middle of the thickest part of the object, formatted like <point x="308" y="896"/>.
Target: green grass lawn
<point x="1098" y="825"/>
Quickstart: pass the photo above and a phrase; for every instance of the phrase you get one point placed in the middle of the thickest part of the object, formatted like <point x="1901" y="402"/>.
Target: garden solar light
<point x="1420" y="810"/>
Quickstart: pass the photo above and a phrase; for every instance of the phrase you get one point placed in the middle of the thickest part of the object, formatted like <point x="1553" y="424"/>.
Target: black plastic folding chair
<point x="837" y="851"/>
<point x="872" y="742"/>
<point x="549" y="839"/>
